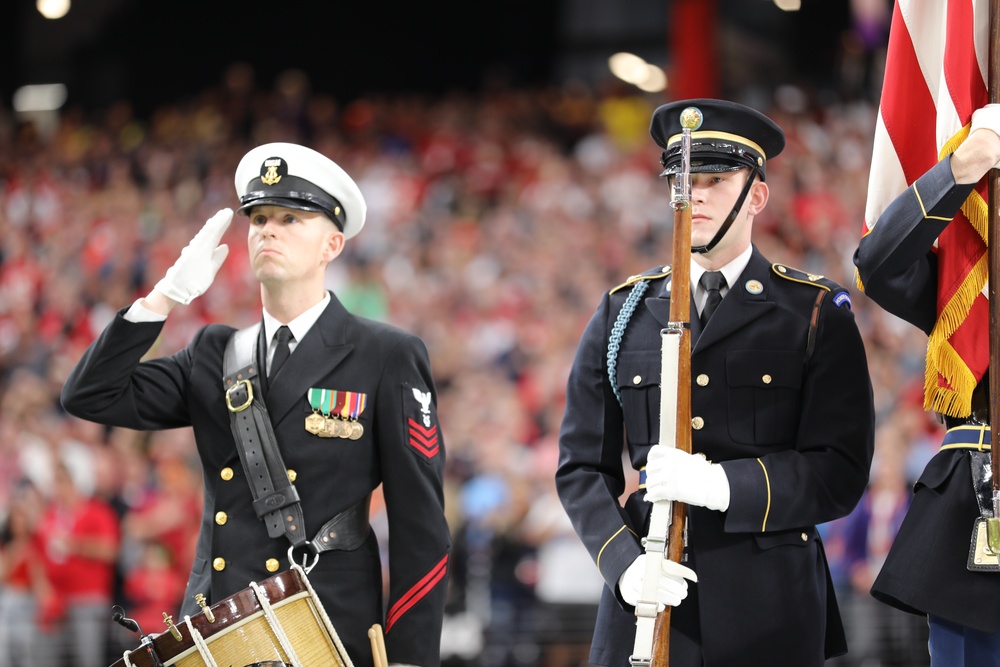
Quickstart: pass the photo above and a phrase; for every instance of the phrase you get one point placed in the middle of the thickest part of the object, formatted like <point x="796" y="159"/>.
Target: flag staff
<point x="993" y="241"/>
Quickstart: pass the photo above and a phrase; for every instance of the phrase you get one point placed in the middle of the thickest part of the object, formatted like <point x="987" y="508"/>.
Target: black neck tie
<point x="281" y="351"/>
<point x="713" y="282"/>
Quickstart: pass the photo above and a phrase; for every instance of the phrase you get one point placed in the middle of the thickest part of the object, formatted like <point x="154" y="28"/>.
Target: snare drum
<point x="278" y="621"/>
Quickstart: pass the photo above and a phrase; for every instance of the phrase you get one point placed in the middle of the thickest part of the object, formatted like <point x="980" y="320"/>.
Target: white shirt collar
<point x="300" y="326"/>
<point x="731" y="271"/>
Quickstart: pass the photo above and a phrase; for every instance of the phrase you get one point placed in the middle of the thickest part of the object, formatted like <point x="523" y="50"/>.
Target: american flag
<point x="935" y="77"/>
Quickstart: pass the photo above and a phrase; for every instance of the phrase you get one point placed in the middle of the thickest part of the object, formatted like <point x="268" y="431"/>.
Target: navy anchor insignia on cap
<point x="272" y="170"/>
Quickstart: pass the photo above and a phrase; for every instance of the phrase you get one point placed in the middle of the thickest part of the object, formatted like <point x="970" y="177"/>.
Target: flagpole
<point x="993" y="238"/>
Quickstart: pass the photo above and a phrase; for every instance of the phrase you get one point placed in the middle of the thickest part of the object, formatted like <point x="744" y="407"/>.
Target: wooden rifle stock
<point x="680" y="311"/>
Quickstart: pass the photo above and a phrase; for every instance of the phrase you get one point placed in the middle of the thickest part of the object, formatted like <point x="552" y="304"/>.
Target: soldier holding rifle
<point x="782" y="425"/>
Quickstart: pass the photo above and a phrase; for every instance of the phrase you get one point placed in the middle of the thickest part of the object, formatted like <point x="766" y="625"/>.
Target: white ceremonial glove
<point x="672" y="474"/>
<point x="672" y="587"/>
<point x="987" y="117"/>
<point x="195" y="269"/>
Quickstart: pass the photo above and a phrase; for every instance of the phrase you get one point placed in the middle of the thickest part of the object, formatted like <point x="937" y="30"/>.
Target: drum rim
<point x="229" y="612"/>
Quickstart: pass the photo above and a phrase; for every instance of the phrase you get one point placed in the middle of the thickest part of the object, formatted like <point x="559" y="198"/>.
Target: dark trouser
<point x="954" y="645"/>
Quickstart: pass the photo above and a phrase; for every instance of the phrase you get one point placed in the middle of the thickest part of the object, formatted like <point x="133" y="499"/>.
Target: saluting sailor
<point x="782" y="419"/>
<point x="351" y="403"/>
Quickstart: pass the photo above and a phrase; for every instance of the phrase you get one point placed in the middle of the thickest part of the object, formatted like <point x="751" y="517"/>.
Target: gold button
<point x="292" y="475"/>
<point x="697" y="423"/>
<point x="805" y="538"/>
<point x="765" y="378"/>
<point x="219" y="564"/>
<point x="637" y="379"/>
<point x="226" y="474"/>
<point x="702" y="380"/>
<point x="221" y="518"/>
<point x="272" y="564"/>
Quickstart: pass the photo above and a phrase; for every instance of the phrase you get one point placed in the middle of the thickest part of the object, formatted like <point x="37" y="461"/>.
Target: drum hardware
<point x="306" y="565"/>
<point x="118" y="616"/>
<point x="168" y="620"/>
<point x="200" y="599"/>
<point x="278" y="622"/>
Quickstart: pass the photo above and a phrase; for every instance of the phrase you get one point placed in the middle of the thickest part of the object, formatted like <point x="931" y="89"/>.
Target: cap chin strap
<point x="702" y="249"/>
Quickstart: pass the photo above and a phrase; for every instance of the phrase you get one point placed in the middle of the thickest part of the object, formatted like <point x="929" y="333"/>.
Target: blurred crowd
<point x="496" y="221"/>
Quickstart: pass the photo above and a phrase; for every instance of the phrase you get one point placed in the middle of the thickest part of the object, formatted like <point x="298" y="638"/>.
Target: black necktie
<point x="281" y="352"/>
<point x="713" y="282"/>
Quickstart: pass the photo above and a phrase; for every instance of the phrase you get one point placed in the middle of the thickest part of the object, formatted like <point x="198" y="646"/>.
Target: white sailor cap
<point x="293" y="176"/>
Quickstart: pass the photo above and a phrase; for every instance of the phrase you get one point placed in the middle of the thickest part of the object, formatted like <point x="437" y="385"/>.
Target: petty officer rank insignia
<point x="335" y="413"/>
<point x="421" y="425"/>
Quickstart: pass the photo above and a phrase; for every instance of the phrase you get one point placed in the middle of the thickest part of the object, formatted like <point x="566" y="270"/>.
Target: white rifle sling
<point x="655" y="541"/>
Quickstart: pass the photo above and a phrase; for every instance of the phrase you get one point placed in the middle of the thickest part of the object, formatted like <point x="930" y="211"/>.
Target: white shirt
<point x="300" y="326"/>
<point x="731" y="271"/>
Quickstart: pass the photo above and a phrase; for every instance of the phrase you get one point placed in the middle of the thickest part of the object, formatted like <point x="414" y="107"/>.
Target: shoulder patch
<point x="651" y="274"/>
<point x="841" y="297"/>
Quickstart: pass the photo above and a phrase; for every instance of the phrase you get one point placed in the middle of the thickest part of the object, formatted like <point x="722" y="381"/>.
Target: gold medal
<point x="357" y="430"/>
<point x="331" y="429"/>
<point x="315" y="423"/>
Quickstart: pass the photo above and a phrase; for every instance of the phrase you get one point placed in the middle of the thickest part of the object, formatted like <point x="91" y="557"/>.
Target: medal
<point x="315" y="423"/>
<point x="335" y="413"/>
<point x="332" y="428"/>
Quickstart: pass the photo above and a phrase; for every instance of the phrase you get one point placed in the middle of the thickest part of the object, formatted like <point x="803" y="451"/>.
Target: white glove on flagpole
<point x="195" y="269"/>
<point x="672" y="589"/>
<point x="987" y="117"/>
<point x="672" y="474"/>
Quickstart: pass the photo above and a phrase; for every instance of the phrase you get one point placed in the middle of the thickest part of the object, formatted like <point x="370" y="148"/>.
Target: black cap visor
<point x="713" y="158"/>
<point x="295" y="193"/>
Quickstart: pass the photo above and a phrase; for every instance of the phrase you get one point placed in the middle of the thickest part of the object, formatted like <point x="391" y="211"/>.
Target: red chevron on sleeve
<point x="424" y="439"/>
<point x="417" y="593"/>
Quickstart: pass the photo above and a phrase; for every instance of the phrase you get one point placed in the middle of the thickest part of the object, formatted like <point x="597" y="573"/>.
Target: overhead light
<point x="52" y="9"/>
<point x="655" y="80"/>
<point x="630" y="68"/>
<point x="788" y="5"/>
<point x="40" y="97"/>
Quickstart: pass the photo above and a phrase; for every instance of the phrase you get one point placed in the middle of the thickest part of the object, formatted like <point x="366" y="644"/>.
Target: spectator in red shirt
<point x="81" y="536"/>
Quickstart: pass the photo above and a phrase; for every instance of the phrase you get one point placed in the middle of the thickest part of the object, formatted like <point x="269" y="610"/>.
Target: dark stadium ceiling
<point x="151" y="52"/>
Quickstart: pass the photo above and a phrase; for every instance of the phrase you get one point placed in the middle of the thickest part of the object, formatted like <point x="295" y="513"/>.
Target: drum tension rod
<point x="168" y="620"/>
<point x="200" y="599"/>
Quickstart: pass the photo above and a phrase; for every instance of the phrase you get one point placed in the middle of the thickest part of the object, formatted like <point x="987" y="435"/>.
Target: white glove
<point x="195" y="269"/>
<point x="672" y="474"/>
<point x="672" y="586"/>
<point x="987" y="117"/>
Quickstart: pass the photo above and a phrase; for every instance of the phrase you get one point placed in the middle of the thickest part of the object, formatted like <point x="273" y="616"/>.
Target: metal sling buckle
<point x="246" y="404"/>
<point x="306" y="565"/>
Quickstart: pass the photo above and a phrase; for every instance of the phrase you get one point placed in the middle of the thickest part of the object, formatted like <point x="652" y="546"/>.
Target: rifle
<point x="665" y="538"/>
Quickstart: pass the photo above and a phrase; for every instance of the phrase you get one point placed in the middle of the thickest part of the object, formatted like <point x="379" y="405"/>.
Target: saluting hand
<point x="672" y="474"/>
<point x="193" y="272"/>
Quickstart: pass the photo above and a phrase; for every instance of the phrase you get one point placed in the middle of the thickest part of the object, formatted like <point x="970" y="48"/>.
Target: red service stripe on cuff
<point x="417" y="593"/>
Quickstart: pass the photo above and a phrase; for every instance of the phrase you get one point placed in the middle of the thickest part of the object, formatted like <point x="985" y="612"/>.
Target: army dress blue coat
<point x="787" y="410"/>
<point x="341" y="352"/>
<point x="926" y="570"/>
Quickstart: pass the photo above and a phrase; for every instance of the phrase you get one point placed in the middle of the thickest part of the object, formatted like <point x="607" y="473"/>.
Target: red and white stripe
<point x="935" y="76"/>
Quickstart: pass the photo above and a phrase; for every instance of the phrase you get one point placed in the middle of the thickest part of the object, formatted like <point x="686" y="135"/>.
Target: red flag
<point x="935" y="77"/>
